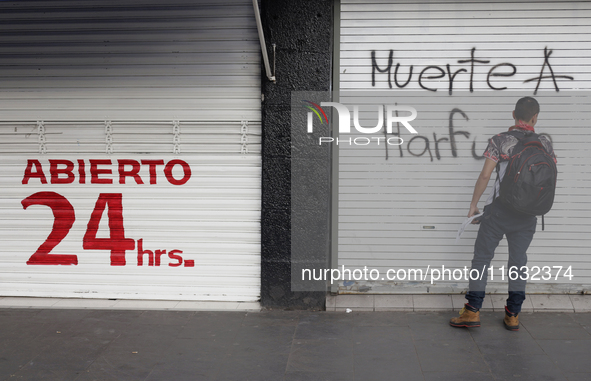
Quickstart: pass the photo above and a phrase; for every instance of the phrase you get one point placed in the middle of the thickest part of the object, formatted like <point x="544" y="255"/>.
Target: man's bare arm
<point x="481" y="184"/>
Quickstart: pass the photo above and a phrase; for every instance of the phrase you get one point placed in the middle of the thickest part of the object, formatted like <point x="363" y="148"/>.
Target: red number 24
<point x="64" y="217"/>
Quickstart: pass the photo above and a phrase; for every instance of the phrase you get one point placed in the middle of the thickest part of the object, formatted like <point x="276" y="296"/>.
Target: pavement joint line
<point x="441" y="302"/>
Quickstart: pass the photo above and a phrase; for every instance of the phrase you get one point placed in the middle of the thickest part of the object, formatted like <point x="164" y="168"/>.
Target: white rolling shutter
<point x="400" y="207"/>
<point x="130" y="145"/>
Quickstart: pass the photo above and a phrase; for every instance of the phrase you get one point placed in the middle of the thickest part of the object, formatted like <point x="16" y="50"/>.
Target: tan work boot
<point x="511" y="320"/>
<point x="469" y="318"/>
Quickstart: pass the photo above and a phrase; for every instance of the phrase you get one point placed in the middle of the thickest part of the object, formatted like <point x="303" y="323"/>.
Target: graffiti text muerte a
<point x="432" y="72"/>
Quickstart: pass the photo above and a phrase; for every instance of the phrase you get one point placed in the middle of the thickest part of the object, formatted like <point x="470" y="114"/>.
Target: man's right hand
<point x="474" y="211"/>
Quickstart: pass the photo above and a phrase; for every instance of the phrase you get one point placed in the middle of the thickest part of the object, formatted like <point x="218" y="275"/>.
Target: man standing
<point x="499" y="220"/>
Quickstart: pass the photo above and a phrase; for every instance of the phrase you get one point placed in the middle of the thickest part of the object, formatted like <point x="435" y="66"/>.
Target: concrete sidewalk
<point x="107" y="344"/>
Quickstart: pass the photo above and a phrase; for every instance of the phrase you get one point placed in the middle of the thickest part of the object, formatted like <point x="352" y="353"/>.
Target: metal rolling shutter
<point x="144" y="117"/>
<point x="402" y="211"/>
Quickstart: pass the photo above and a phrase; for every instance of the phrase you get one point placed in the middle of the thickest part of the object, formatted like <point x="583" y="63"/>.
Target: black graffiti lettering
<point x="386" y="145"/>
<point x="474" y="154"/>
<point x="400" y="146"/>
<point x="437" y="140"/>
<point x="396" y="76"/>
<point x="386" y="138"/>
<point x="426" y="149"/>
<point x="547" y="54"/>
<point x="492" y="74"/>
<point x="437" y="154"/>
<point x="472" y="61"/>
<point x="396" y="134"/>
<point x="452" y="133"/>
<point x="374" y="67"/>
<point x="452" y="77"/>
<point x="440" y="75"/>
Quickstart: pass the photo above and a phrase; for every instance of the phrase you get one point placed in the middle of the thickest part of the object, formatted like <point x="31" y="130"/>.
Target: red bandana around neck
<point x="522" y="126"/>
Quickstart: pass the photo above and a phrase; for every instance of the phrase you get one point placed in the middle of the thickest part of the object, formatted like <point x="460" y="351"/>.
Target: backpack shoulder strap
<point x="527" y="138"/>
<point x="519" y="134"/>
<point x="497" y="180"/>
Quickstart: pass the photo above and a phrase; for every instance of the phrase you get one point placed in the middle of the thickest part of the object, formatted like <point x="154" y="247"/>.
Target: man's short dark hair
<point x="526" y="108"/>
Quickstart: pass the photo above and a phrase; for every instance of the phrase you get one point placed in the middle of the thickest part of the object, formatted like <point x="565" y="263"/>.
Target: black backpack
<point x="529" y="184"/>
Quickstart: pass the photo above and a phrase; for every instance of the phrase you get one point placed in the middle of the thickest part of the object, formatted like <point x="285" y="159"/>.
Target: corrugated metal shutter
<point x="400" y="208"/>
<point x="137" y="123"/>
